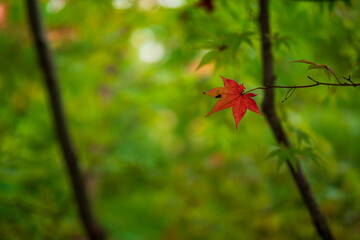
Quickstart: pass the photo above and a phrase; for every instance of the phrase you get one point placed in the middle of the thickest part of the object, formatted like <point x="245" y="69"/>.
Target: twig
<point x="317" y="83"/>
<point x="349" y="79"/>
<point x="289" y="93"/>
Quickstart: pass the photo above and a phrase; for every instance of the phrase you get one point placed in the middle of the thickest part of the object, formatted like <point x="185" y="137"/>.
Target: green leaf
<point x="293" y="154"/>
<point x="327" y="73"/>
<point x="207" y="58"/>
<point x="311" y="155"/>
<point x="280" y="40"/>
<point x="302" y="137"/>
<point x="274" y="153"/>
<point x="282" y="154"/>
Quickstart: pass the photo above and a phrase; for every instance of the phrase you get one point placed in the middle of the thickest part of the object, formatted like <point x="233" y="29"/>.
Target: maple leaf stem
<point x="317" y="83"/>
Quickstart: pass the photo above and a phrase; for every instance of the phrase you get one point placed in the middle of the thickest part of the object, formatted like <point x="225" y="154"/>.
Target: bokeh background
<point x="155" y="167"/>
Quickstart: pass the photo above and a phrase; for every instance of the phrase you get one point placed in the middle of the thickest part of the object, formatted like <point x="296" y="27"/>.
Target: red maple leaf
<point x="231" y="95"/>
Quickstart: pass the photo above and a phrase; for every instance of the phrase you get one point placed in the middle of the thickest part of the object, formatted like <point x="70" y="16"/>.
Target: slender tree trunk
<point x="268" y="108"/>
<point x="93" y="230"/>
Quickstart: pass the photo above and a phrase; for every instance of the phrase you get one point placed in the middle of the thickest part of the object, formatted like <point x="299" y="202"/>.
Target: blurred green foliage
<point x="155" y="167"/>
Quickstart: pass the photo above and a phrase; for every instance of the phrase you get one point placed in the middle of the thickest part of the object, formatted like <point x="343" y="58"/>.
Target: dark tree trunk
<point x="93" y="230"/>
<point x="268" y="108"/>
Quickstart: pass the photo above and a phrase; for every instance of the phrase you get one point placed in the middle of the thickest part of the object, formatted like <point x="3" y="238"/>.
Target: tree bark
<point x="268" y="108"/>
<point x="94" y="232"/>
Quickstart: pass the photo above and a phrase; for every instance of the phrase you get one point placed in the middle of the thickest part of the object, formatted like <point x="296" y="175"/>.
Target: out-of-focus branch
<point x="273" y="120"/>
<point x="93" y="230"/>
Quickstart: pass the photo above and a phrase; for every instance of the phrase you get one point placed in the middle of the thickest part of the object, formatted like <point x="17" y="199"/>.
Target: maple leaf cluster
<point x="231" y="95"/>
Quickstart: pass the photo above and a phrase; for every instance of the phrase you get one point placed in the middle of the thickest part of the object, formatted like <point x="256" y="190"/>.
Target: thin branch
<point x="349" y="79"/>
<point x="289" y="93"/>
<point x="93" y="230"/>
<point x="317" y="83"/>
